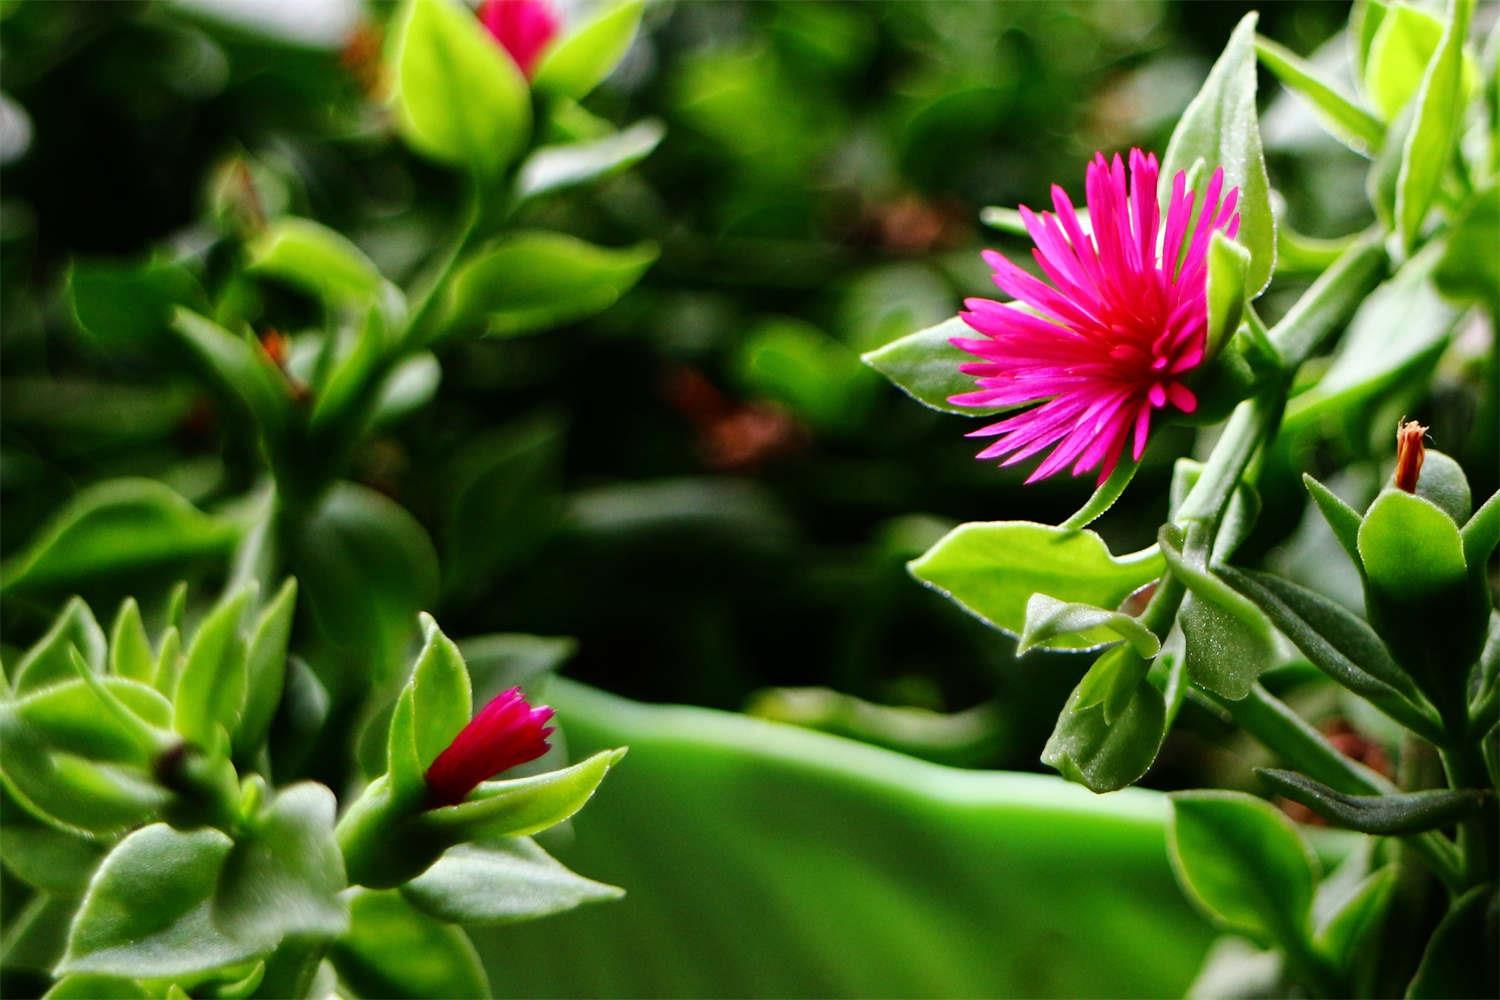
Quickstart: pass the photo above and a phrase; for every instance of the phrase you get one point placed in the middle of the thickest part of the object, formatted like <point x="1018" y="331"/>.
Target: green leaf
<point x="519" y="807"/>
<point x="1409" y="812"/>
<point x="210" y="692"/>
<point x="1228" y="265"/>
<point x="1243" y="864"/>
<point x="1343" y="938"/>
<point x="1469" y="269"/>
<point x="502" y="882"/>
<point x="1442" y="481"/>
<point x="1048" y="618"/>
<point x="1344" y="119"/>
<point x="1105" y="494"/>
<point x="117" y="527"/>
<point x="510" y="659"/>
<point x="403" y="764"/>
<point x="282" y="878"/>
<point x="1481" y="533"/>
<point x="991" y="569"/>
<point x="503" y="500"/>
<point x="299" y="719"/>
<point x="68" y="791"/>
<point x="532" y="280"/>
<point x="242" y="370"/>
<point x="365" y="567"/>
<point x="409" y="387"/>
<point x="315" y="259"/>
<point x="49" y="660"/>
<point x="1454" y="964"/>
<point x="1221" y="128"/>
<point x="580" y="61"/>
<point x="459" y="97"/>
<point x="1229" y="642"/>
<point x="265" y="669"/>
<point x="92" y="987"/>
<point x="924" y="365"/>
<point x="1342" y="519"/>
<point x="1409" y="546"/>
<point x="68" y="717"/>
<point x="554" y="168"/>
<point x="348" y="383"/>
<point x="815" y="375"/>
<point x="393" y="950"/>
<point x="148" y="911"/>
<point x="130" y="653"/>
<point x="45" y="857"/>
<point x="442" y="701"/>
<point x="1400" y="48"/>
<point x="1112" y="727"/>
<point x="36" y="933"/>
<point x="127" y="307"/>
<point x="1435" y="128"/>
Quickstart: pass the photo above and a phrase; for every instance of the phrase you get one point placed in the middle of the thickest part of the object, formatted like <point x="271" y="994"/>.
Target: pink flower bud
<point x="505" y="733"/>
<point x="524" y="28"/>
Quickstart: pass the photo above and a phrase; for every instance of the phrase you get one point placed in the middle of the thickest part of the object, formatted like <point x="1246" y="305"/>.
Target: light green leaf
<point x="69" y="718"/>
<point x="1409" y="546"/>
<point x="502" y="882"/>
<point x="1228" y="264"/>
<point x="535" y="279"/>
<point x="317" y="260"/>
<point x="1435" y="128"/>
<point x="924" y="365"/>
<point x="148" y="911"/>
<point x="117" y="527"/>
<point x="1481" y="532"/>
<point x="210" y="692"/>
<point x="1469" y="268"/>
<point x="1220" y="127"/>
<point x="242" y="370"/>
<point x="459" y="97"/>
<point x="519" y="807"/>
<point x="282" y="878"/>
<point x="991" y="569"/>
<point x="1341" y="115"/>
<point x="405" y="767"/>
<point x="49" y="660"/>
<point x="554" y="168"/>
<point x="1048" y="618"/>
<point x="392" y="950"/>
<point x="1244" y="865"/>
<point x="580" y="61"/>
<point x="1229" y="642"/>
<point x="442" y="701"/>
<point x="92" y="987"/>
<point x="130" y="652"/>
<point x="1343" y="937"/>
<point x="265" y="669"/>
<point x="1404" y="39"/>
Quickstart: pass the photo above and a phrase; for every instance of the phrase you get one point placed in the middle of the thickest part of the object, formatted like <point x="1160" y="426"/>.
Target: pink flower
<point x="1111" y="339"/>
<point x="522" y="27"/>
<point x="505" y="733"/>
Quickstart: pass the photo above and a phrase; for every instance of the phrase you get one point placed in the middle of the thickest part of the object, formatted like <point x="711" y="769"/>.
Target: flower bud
<point x="524" y="28"/>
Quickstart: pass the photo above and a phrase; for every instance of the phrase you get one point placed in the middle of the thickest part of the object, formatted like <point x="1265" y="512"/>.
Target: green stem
<point x="415" y="334"/>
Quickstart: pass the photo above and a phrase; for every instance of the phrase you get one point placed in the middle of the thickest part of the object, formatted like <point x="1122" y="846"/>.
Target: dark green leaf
<point x="1410" y="812"/>
<point x="1111" y="729"/>
<point x="1228" y="640"/>
<point x="210" y="692"/>
<point x="242" y="370"/>
<point x="265" y="669"/>
<point x="1457" y="960"/>
<point x="45" y="857"/>
<point x="393" y="950"/>
<point x="501" y="882"/>
<point x="127" y="307"/>
<point x="1343" y="938"/>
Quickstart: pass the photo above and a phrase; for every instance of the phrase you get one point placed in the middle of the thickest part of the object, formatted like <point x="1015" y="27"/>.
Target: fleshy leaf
<point x="1047" y="618"/>
<point x="924" y="365"/>
<point x="519" y="807"/>
<point x="394" y="950"/>
<point x="1408" y="812"/>
<point x="501" y="882"/>
<point x="581" y="60"/>
<point x="317" y="260"/>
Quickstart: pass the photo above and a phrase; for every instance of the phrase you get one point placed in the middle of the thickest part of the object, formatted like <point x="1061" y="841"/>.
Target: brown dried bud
<point x="1410" y="452"/>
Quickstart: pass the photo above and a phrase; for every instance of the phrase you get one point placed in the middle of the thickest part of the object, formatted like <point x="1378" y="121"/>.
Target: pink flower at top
<point x="523" y="28"/>
<point x="1111" y="338"/>
<point x="505" y="733"/>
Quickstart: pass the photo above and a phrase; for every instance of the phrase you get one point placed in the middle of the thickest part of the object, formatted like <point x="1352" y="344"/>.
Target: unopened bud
<point x="1410" y="452"/>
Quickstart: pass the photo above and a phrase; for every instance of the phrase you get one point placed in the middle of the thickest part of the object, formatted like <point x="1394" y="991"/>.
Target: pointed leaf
<point x="1048" y="618"/>
<point x="520" y="807"/>
<point x="265" y="668"/>
<point x="317" y="260"/>
<point x="581" y="60"/>
<point x="1410" y="812"/>
<point x="442" y="701"/>
<point x="501" y="882"/>
<point x="49" y="660"/>
<point x="130" y="652"/>
<point x="554" y="168"/>
<point x="211" y="689"/>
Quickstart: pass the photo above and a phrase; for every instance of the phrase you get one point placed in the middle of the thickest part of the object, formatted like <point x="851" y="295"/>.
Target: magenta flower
<point x="522" y="27"/>
<point x="505" y="733"/>
<point x="1111" y="339"/>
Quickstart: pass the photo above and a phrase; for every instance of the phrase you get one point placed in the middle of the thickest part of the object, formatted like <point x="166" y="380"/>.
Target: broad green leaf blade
<point x="147" y="913"/>
<point x="533" y="280"/>
<point x="118" y="527"/>
<point x="49" y="660"/>
<point x="442" y="701"/>
<point x="210" y="692"/>
<point x="45" y="857"/>
<point x="1228" y="265"/>
<point x="1402" y="40"/>
<point x="317" y="260"/>
<point x="1435" y="128"/>
<point x="1228" y="641"/>
<point x="1345" y="935"/>
<point x="991" y="569"/>
<point x="1341" y="115"/>
<point x="1244" y="865"/>
<point x="924" y="365"/>
<point x="393" y="950"/>
<point x="519" y="807"/>
<point x="459" y="98"/>
<point x="1047" y="618"/>
<point x="1111" y="729"/>
<point x="502" y="882"/>
<point x="284" y="875"/>
<point x="1409" y="812"/>
<point x="554" y="168"/>
<point x="69" y="718"/>
<point x="581" y="60"/>
<point x="841" y="858"/>
<point x="1453" y="964"/>
<point x="265" y="669"/>
<point x="1469" y="269"/>
<point x="1410" y="547"/>
<point x="1220" y="127"/>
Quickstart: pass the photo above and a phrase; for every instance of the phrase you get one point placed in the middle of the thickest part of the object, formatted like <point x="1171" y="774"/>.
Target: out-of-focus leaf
<point x="1453" y="964"/>
<point x="1469" y="268"/>
<point x="117" y="527"/>
<point x="459" y="97"/>
<point x="533" y="280"/>
<point x="505" y="660"/>
<point x="45" y="857"/>
<point x="49" y="660"/>
<point x="1436" y="124"/>
<point x="242" y="370"/>
<point x="265" y="668"/>
<point x="816" y="376"/>
<point x="553" y="168"/>
<point x="1403" y="41"/>
<point x="210" y="692"/>
<point x="317" y="260"/>
<point x="1340" y="114"/>
<point x="581" y="60"/>
<point x="392" y="949"/>
<point x="128" y="307"/>
<point x="130" y="653"/>
<point x="991" y="569"/>
<point x="1228" y="264"/>
<point x="501" y="882"/>
<point x="1220" y="126"/>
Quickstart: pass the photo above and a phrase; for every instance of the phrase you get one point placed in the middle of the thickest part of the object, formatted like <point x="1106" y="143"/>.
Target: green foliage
<point x="394" y="950"/>
<point x="579" y="61"/>
<point x="1382" y="814"/>
<point x="317" y="260"/>
<point x="924" y="365"/>
<point x="1112" y="727"/>
<point x="501" y="881"/>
